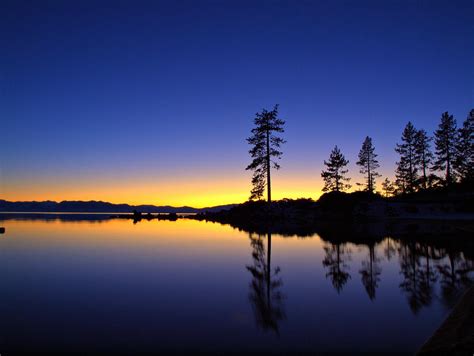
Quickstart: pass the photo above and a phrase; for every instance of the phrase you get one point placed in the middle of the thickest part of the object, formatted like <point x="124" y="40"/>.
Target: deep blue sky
<point x="154" y="99"/>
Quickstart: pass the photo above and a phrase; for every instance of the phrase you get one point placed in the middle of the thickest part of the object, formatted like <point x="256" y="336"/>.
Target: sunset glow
<point x="236" y="176"/>
<point x="181" y="190"/>
<point x="161" y="113"/>
<point x="202" y="192"/>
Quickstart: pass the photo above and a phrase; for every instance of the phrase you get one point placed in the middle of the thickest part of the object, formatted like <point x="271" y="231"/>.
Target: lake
<point x="187" y="285"/>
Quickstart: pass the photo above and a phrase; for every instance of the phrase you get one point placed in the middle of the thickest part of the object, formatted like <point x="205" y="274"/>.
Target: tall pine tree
<point x="445" y="143"/>
<point x="265" y="149"/>
<point x="464" y="162"/>
<point x="368" y="163"/>
<point x="406" y="172"/>
<point x="424" y="156"/>
<point x="334" y="176"/>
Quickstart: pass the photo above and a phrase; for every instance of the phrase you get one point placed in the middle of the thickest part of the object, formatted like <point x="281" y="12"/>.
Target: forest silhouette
<point x="430" y="184"/>
<point x="418" y="167"/>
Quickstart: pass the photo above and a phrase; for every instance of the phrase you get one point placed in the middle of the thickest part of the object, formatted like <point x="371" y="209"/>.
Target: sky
<point x="151" y="101"/>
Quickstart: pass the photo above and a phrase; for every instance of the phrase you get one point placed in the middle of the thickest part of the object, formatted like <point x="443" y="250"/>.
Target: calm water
<point x="190" y="285"/>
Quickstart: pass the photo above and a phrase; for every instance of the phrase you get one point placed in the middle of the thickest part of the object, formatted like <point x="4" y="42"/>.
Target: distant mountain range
<point x="98" y="207"/>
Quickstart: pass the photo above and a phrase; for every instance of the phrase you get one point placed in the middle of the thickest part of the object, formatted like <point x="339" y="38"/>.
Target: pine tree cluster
<point x="418" y="166"/>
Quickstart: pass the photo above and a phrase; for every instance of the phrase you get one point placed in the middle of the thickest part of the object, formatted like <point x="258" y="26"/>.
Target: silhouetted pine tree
<point x="334" y="176"/>
<point x="368" y="163"/>
<point x="424" y="156"/>
<point x="406" y="172"/>
<point x="445" y="143"/>
<point x="266" y="146"/>
<point x="464" y="162"/>
<point x="387" y="187"/>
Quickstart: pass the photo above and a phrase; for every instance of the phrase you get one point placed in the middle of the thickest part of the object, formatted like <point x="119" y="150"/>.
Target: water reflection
<point x="370" y="272"/>
<point x="335" y="260"/>
<point x="421" y="266"/>
<point x="411" y="278"/>
<point x="455" y="275"/>
<point x="265" y="295"/>
<point x="417" y="283"/>
<point x="390" y="249"/>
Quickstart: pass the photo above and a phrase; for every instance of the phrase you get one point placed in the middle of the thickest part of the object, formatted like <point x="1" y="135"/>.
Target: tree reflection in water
<point x="456" y="275"/>
<point x="390" y="249"/>
<point x="334" y="260"/>
<point x="422" y="265"/>
<point x="417" y="279"/>
<point x="370" y="272"/>
<point x="265" y="295"/>
<point x="427" y="273"/>
<point x="428" y="268"/>
<point x="432" y="266"/>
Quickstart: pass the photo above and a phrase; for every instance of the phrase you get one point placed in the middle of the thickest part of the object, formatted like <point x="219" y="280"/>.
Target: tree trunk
<point x="424" y="170"/>
<point x="448" y="170"/>
<point x="410" y="166"/>
<point x="425" y="179"/>
<point x="269" y="188"/>
<point x="369" y="178"/>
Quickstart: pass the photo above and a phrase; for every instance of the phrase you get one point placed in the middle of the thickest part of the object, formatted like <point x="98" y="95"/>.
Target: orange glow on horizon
<point x="198" y="192"/>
